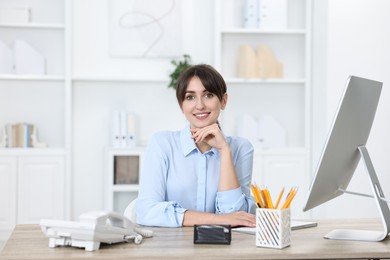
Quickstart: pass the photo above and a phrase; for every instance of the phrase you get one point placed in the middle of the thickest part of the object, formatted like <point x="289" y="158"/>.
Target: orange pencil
<point x="267" y="197"/>
<point x="290" y="197"/>
<point x="279" y="198"/>
<point x="257" y="196"/>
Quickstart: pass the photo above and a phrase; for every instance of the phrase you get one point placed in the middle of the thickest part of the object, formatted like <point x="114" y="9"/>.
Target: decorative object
<point x="4" y="138"/>
<point x="34" y="140"/>
<point x="271" y="133"/>
<point x="264" y="132"/>
<point x="247" y="67"/>
<point x="261" y="63"/>
<point x="180" y="66"/>
<point x="145" y="28"/>
<point x="268" y="65"/>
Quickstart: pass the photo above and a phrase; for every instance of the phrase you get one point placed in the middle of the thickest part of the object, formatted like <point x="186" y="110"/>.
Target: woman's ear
<point x="224" y="101"/>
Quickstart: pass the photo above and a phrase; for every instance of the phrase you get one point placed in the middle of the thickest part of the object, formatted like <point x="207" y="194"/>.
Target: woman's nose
<point x="199" y="104"/>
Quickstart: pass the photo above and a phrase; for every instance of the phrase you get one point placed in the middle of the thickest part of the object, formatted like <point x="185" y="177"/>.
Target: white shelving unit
<point x="122" y="174"/>
<point x="286" y="99"/>
<point x="42" y="175"/>
<point x="55" y="102"/>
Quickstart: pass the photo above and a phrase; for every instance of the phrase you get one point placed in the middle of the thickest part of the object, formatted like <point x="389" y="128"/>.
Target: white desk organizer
<point x="273" y="228"/>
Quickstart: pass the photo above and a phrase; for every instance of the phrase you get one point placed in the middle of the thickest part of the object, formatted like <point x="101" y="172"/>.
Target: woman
<point x="197" y="175"/>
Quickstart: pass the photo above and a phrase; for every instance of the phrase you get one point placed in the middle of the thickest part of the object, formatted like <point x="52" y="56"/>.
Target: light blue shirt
<point x="176" y="177"/>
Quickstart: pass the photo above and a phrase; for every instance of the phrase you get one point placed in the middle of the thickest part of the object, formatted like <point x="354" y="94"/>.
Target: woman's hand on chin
<point x="211" y="135"/>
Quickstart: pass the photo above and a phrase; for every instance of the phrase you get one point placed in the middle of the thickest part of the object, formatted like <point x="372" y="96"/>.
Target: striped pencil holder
<point x="273" y="228"/>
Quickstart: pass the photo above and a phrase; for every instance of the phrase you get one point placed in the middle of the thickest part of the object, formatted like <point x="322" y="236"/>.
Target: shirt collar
<point x="188" y="144"/>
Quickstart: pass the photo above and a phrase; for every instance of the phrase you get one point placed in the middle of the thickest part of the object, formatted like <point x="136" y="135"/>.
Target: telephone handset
<point x="93" y="228"/>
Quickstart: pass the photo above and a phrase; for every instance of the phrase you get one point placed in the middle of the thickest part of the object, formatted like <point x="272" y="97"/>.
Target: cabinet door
<point x="41" y="188"/>
<point x="286" y="171"/>
<point x="7" y="192"/>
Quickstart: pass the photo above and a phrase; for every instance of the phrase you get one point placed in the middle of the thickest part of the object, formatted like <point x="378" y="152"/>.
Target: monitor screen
<point x="350" y="129"/>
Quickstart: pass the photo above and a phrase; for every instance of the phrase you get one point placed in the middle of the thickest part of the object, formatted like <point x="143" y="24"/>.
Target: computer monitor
<point x="344" y="147"/>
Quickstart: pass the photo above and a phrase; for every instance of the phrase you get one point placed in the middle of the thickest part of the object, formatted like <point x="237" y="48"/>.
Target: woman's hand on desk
<point x="240" y="218"/>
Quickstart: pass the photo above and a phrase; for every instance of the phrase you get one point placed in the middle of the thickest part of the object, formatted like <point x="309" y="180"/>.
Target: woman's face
<point x="200" y="107"/>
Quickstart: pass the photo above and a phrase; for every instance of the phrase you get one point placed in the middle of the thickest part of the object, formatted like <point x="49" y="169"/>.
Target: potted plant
<point x="180" y="66"/>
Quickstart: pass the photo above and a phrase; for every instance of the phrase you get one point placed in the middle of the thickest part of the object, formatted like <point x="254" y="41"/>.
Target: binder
<point x="27" y="59"/>
<point x="130" y="133"/>
<point x="250" y="14"/>
<point x="272" y="14"/>
<point x="115" y="129"/>
<point x="6" y="59"/>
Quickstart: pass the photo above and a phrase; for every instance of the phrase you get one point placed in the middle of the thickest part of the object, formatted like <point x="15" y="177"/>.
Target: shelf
<point x="31" y="77"/>
<point x="116" y="79"/>
<point x="33" y="26"/>
<point x="265" y="81"/>
<point x="125" y="188"/>
<point x="261" y="31"/>
<point x="32" y="151"/>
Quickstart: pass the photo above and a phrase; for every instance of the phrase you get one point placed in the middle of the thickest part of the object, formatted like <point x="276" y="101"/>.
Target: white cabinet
<point x="47" y="33"/>
<point x="31" y="186"/>
<point x="41" y="99"/>
<point x="41" y="188"/>
<point x="8" y="171"/>
<point x="279" y="169"/>
<point x="286" y="98"/>
<point x="122" y="173"/>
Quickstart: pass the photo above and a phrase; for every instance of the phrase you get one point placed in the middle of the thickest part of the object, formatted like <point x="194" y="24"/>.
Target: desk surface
<point x="28" y="241"/>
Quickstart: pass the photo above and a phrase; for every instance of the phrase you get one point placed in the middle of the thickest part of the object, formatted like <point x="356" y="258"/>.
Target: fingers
<point x="206" y="133"/>
<point x="240" y="218"/>
<point x="246" y="219"/>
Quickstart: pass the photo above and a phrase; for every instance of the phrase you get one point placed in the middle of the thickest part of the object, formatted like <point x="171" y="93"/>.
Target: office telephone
<point x="92" y="229"/>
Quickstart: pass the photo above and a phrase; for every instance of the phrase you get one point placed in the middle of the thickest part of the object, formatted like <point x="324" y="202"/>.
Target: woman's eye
<point x="209" y="95"/>
<point x="189" y="97"/>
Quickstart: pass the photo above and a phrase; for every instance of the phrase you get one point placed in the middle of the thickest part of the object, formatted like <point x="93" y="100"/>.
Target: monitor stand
<point x="367" y="235"/>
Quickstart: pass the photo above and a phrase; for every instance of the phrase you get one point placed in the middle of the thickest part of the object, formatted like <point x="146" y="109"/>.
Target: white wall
<point x="357" y="43"/>
<point x="148" y="95"/>
<point x="351" y="37"/>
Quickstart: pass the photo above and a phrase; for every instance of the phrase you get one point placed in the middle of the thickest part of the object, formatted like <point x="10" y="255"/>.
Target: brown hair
<point x="210" y="78"/>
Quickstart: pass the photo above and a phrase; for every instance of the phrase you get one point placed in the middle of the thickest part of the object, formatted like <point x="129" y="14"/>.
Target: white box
<point x="273" y="228"/>
<point x="15" y="15"/>
<point x="272" y="14"/>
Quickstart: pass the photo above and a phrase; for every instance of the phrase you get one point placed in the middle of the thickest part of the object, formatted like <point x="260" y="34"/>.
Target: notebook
<point x="295" y="225"/>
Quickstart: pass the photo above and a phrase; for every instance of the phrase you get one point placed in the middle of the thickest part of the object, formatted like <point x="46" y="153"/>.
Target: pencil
<point x="290" y="197"/>
<point x="257" y="196"/>
<point x="279" y="198"/>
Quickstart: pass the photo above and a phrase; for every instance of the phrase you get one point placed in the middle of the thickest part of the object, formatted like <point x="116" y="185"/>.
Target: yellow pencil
<point x="279" y="198"/>
<point x="290" y="197"/>
<point x="257" y="196"/>
<point x="268" y="198"/>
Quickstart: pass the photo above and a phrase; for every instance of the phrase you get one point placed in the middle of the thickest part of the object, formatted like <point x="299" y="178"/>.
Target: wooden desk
<point x="28" y="242"/>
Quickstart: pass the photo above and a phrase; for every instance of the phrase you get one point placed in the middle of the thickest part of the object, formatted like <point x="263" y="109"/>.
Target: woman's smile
<point x="202" y="116"/>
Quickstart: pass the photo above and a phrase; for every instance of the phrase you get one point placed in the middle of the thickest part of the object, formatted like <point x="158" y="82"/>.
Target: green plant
<point x="180" y="66"/>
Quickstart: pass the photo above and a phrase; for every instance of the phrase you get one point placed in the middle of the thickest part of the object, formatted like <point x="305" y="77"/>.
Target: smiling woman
<point x="197" y="175"/>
